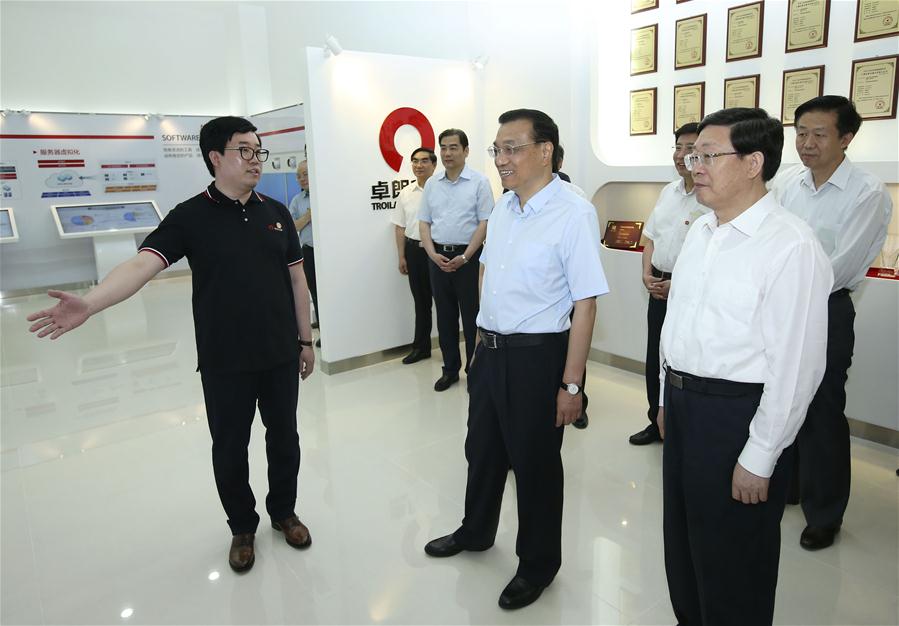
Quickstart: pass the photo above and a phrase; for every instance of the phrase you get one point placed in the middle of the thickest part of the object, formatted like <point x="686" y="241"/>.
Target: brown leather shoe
<point x="295" y="532"/>
<point x="242" y="554"/>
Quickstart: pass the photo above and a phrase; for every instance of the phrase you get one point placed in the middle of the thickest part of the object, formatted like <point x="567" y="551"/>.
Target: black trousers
<point x="309" y="271"/>
<point x="456" y="293"/>
<point x="231" y="399"/>
<point x="512" y="422"/>
<point x="721" y="556"/>
<point x="417" y="262"/>
<point x="824" y="462"/>
<point x="655" y="317"/>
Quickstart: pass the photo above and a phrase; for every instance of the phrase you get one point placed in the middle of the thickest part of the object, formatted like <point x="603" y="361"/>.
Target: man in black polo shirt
<point x="250" y="305"/>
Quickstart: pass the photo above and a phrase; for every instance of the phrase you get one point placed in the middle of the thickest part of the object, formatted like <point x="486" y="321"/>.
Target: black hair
<point x="558" y="156"/>
<point x="545" y="129"/>
<point x="215" y="135"/>
<point x="430" y="153"/>
<point x="848" y="119"/>
<point x="449" y="132"/>
<point x="751" y="130"/>
<point x="690" y="128"/>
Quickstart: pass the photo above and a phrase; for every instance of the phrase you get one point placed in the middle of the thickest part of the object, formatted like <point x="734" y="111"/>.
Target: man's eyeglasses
<point x="247" y="154"/>
<point x="507" y="151"/>
<point x="692" y="160"/>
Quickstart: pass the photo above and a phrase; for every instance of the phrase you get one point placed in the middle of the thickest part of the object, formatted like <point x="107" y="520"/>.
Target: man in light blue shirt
<point x="453" y="222"/>
<point x="301" y="213"/>
<point x="541" y="261"/>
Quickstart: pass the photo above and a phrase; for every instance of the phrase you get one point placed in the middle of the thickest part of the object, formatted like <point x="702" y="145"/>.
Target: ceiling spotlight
<point x="332" y="46"/>
<point x="146" y="116"/>
<point x="480" y="62"/>
<point x="3" y="113"/>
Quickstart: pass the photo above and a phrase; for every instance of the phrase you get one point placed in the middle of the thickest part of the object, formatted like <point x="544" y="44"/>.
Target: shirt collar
<point x="538" y="200"/>
<point x="465" y="173"/>
<point x="213" y="193"/>
<point x="682" y="188"/>
<point x="749" y="221"/>
<point x="839" y="178"/>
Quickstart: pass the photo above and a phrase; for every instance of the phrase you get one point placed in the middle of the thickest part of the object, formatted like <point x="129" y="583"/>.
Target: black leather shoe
<point x="814" y="538"/>
<point x="444" y="382"/>
<point x="314" y="325"/>
<point x="648" y="435"/>
<point x="318" y="343"/>
<point x="519" y="593"/>
<point x="415" y="356"/>
<point x="444" y="546"/>
<point x="581" y="422"/>
<point x="295" y="532"/>
<point x="242" y="554"/>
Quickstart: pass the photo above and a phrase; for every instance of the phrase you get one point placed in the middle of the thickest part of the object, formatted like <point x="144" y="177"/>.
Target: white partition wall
<point x="365" y="302"/>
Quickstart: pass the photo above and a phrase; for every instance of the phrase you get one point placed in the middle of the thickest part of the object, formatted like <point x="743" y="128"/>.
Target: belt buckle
<point x="676" y="380"/>
<point x="489" y="340"/>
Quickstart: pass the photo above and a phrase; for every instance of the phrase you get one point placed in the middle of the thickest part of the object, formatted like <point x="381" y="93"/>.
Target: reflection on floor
<point x="110" y="516"/>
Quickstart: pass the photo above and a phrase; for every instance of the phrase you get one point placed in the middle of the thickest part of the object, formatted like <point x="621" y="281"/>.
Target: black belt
<point x="495" y="341"/>
<point x="660" y="274"/>
<point x="458" y="247"/>
<point x="711" y="386"/>
<point x="414" y="242"/>
<point x="841" y="293"/>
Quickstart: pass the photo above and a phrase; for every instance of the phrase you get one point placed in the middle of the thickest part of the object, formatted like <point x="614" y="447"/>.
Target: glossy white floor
<point x="110" y="516"/>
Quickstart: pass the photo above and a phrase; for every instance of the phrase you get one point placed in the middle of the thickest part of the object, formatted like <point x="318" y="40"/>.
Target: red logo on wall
<point x="392" y="123"/>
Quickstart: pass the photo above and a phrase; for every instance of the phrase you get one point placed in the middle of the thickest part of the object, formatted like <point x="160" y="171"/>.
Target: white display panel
<point x="8" y="230"/>
<point x="105" y="218"/>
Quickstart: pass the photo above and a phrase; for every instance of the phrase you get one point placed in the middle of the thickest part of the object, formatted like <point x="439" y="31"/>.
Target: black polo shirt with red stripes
<point x="239" y="255"/>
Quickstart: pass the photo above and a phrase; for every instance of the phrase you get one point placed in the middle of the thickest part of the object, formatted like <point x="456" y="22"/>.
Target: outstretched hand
<point x="69" y="313"/>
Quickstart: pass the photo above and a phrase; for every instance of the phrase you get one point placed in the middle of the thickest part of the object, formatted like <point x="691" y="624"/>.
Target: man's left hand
<point x="455" y="263"/>
<point x="307" y="362"/>
<point x="568" y="407"/>
<point x="747" y="487"/>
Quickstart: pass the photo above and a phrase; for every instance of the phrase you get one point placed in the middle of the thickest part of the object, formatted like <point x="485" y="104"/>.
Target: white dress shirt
<point x="748" y="303"/>
<point x="849" y="214"/>
<point x="406" y="213"/>
<point x="667" y="226"/>
<point x="538" y="260"/>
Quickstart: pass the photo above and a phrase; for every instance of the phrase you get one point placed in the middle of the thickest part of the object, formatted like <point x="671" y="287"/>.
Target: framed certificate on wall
<point x="689" y="42"/>
<point x="689" y="103"/>
<point x="875" y="19"/>
<point x="638" y="6"/>
<point x="800" y="85"/>
<point x="873" y="89"/>
<point x="744" y="31"/>
<point x="807" y="24"/>
<point x="644" y="45"/>
<point x="643" y="111"/>
<point x="741" y="91"/>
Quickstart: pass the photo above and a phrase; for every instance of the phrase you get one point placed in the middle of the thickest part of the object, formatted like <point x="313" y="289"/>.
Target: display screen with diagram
<point x="87" y="220"/>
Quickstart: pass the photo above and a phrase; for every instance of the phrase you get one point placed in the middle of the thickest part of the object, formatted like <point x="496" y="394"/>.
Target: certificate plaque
<point x="643" y="111"/>
<point x="799" y="86"/>
<point x="689" y="104"/>
<point x="807" y="24"/>
<point x="689" y="42"/>
<point x="622" y="235"/>
<point x="638" y="6"/>
<point x="874" y="87"/>
<point x="644" y="43"/>
<point x="742" y="91"/>
<point x="875" y="19"/>
<point x="744" y="31"/>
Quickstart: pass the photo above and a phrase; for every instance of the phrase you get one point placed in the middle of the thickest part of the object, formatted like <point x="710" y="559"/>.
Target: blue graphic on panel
<point x="65" y="194"/>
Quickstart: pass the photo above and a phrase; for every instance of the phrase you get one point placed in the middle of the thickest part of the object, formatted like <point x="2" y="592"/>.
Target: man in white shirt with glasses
<point x="743" y="349"/>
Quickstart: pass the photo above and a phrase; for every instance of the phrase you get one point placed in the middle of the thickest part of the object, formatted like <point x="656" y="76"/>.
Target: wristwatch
<point x="571" y="388"/>
<point x="305" y="344"/>
<point x="464" y="258"/>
